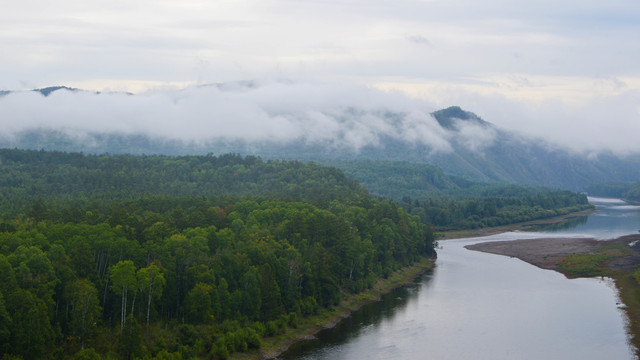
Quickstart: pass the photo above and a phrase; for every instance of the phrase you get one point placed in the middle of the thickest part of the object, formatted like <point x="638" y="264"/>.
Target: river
<point x="476" y="305"/>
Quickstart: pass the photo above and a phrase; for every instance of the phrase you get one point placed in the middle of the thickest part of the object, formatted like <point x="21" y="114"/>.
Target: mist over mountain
<point x="283" y="120"/>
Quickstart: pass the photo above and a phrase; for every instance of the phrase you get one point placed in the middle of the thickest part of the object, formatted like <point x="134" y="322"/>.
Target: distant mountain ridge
<point x="446" y="117"/>
<point x="46" y="91"/>
<point x="479" y="150"/>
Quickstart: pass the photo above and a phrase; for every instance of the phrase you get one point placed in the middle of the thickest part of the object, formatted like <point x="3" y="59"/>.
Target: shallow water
<point x="476" y="305"/>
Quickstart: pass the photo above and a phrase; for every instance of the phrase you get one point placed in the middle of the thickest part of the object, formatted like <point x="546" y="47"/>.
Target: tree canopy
<point x="203" y="256"/>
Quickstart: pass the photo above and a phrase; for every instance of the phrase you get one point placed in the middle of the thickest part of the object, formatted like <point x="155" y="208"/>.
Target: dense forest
<point x="451" y="202"/>
<point x="496" y="210"/>
<point x="30" y="175"/>
<point x="395" y="180"/>
<point x="117" y="256"/>
<point x="446" y="201"/>
<point x="198" y="277"/>
<point x="627" y="191"/>
<point x="201" y="256"/>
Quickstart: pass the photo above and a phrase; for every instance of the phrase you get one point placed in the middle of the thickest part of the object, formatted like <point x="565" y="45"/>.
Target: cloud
<point x="566" y="71"/>
<point x="337" y="115"/>
<point x="582" y="114"/>
<point x="473" y="136"/>
<point x="70" y="41"/>
<point x="277" y="112"/>
<point x="419" y="39"/>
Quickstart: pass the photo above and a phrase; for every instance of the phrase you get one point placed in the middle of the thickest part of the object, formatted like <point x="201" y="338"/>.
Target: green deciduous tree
<point x="85" y="308"/>
<point x="151" y="280"/>
<point x="5" y="326"/>
<point x="123" y="280"/>
<point x="270" y="294"/>
<point x="198" y="303"/>
<point x="31" y="330"/>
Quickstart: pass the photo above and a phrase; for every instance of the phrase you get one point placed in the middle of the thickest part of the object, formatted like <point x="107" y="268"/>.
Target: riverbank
<point x="308" y="327"/>
<point x="554" y="253"/>
<point x="563" y="254"/>
<point x="459" y="234"/>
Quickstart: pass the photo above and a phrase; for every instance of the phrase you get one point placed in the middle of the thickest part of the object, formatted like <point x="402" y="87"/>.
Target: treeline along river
<point x="476" y="305"/>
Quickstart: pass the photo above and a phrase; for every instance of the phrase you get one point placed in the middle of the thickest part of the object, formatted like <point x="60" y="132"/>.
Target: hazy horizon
<point x="563" y="71"/>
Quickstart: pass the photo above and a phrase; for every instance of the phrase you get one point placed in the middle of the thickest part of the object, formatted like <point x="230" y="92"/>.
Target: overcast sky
<point x="568" y="70"/>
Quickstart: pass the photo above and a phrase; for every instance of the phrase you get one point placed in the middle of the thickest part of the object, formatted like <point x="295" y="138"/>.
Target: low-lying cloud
<point x="605" y="123"/>
<point x="336" y="116"/>
<point x="328" y="115"/>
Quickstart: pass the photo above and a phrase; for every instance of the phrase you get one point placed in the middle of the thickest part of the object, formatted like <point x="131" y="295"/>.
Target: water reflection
<point x="613" y="219"/>
<point x="368" y="319"/>
<point x="567" y="224"/>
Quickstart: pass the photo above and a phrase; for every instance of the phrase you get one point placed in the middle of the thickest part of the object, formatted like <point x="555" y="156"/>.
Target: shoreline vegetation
<point x="460" y="234"/>
<point x="308" y="327"/>
<point x="273" y="347"/>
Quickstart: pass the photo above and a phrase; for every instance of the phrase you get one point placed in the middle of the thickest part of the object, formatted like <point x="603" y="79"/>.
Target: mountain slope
<point x="323" y="126"/>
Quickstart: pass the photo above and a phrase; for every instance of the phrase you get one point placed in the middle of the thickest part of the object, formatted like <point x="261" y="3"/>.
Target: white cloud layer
<point x="337" y="116"/>
<point x="565" y="70"/>
<point x="324" y="114"/>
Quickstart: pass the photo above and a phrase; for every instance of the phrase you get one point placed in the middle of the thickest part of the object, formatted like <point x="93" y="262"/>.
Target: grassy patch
<point x="457" y="234"/>
<point x="591" y="264"/>
<point x="617" y="249"/>
<point x="583" y="264"/>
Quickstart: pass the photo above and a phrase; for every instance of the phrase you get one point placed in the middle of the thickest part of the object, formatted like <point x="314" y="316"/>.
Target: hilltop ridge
<point x="454" y="139"/>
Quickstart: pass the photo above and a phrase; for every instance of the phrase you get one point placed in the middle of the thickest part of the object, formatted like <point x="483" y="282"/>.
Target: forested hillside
<point x="205" y="256"/>
<point x="627" y="191"/>
<point x="194" y="277"/>
<point x="135" y="256"/>
<point x="496" y="208"/>
<point x="450" y="202"/>
<point x="459" y="142"/>
<point x="59" y="179"/>
<point x="30" y="175"/>
<point x="634" y="193"/>
<point x="396" y="179"/>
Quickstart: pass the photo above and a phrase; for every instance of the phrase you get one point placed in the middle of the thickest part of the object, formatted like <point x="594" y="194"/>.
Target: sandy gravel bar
<point x="546" y="252"/>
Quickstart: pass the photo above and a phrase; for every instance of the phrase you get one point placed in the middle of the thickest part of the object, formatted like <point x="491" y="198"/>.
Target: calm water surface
<point x="482" y="306"/>
<point x="613" y="219"/>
